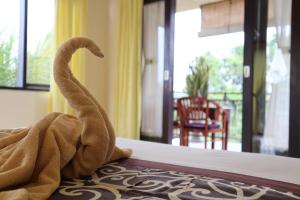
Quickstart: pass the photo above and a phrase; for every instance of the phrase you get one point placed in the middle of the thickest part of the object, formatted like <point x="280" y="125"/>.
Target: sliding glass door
<point x="153" y="69"/>
<point x="275" y="129"/>
<point x="267" y="96"/>
<point x="157" y="79"/>
<point x="209" y="35"/>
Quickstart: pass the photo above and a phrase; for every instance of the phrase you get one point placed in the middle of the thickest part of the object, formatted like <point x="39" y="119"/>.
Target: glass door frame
<point x="294" y="136"/>
<point x="168" y="105"/>
<point x="167" y="129"/>
<point x="255" y="29"/>
<point x="255" y="33"/>
<point x="251" y="11"/>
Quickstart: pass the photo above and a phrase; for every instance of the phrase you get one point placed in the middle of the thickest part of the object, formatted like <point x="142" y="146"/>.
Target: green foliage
<point x="215" y="80"/>
<point x="8" y="63"/>
<point x="225" y="75"/>
<point x="233" y="74"/>
<point x="40" y="61"/>
<point x="197" y="81"/>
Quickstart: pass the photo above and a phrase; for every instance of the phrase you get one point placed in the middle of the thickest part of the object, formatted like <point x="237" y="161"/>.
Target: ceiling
<point x="200" y="2"/>
<point x="184" y="5"/>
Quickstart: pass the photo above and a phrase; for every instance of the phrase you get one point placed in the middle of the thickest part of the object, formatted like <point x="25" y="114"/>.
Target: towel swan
<point x="90" y="114"/>
<point x="32" y="160"/>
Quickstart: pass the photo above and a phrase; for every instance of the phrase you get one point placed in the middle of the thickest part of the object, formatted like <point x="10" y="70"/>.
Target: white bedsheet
<point x="265" y="166"/>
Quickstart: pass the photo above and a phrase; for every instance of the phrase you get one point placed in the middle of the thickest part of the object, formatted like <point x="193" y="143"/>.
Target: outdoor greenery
<point x="221" y="80"/>
<point x="225" y="82"/>
<point x="8" y="63"/>
<point x="225" y="86"/>
<point x="224" y="75"/>
<point x="39" y="62"/>
<point x="197" y="81"/>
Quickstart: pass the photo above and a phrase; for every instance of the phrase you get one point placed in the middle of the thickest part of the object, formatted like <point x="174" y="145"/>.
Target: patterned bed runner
<point x="137" y="179"/>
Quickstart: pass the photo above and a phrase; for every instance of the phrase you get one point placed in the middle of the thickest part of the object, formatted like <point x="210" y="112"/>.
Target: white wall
<point x="23" y="108"/>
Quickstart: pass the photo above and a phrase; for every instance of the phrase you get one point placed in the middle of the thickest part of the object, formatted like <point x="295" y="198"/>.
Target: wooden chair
<point x="199" y="114"/>
<point x="176" y="122"/>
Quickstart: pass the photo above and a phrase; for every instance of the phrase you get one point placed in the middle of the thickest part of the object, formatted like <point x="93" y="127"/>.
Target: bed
<point x="161" y="171"/>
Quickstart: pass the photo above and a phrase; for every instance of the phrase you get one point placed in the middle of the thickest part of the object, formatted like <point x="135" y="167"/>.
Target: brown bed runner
<point x="138" y="179"/>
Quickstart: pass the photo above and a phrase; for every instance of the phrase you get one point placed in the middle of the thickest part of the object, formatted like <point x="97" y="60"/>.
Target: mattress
<point x="161" y="171"/>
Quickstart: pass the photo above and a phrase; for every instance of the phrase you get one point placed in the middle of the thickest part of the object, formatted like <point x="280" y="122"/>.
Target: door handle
<point x="246" y="71"/>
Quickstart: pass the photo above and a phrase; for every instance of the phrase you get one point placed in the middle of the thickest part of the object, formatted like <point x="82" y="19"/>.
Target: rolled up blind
<point x="225" y="16"/>
<point x="222" y="17"/>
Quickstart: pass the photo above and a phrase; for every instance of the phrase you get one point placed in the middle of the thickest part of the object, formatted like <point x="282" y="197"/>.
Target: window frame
<point x="22" y="65"/>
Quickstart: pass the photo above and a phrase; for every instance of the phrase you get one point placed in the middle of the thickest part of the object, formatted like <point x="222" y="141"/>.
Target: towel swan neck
<point x="97" y="140"/>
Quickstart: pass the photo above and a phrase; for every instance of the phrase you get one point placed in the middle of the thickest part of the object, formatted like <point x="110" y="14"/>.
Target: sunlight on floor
<point x="197" y="142"/>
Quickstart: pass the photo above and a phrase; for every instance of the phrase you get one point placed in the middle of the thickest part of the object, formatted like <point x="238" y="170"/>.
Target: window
<point x="26" y="43"/>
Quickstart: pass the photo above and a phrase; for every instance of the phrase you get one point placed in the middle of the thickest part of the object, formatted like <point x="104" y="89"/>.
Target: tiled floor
<point x="198" y="142"/>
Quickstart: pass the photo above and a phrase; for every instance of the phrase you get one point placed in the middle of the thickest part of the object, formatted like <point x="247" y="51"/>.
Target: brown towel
<point x="33" y="159"/>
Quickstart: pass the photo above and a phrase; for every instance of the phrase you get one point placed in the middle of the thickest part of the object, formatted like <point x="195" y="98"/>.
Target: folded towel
<point x="32" y="160"/>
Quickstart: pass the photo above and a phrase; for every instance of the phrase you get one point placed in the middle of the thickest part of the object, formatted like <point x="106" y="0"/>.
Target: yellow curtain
<point x="127" y="71"/>
<point x="69" y="22"/>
